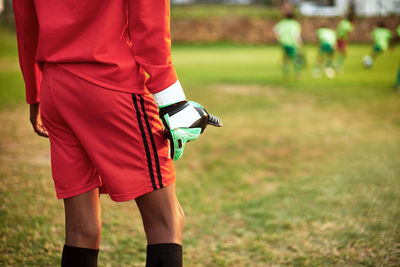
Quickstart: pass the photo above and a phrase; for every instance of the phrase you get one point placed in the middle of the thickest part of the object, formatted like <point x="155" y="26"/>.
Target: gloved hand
<point x="185" y="121"/>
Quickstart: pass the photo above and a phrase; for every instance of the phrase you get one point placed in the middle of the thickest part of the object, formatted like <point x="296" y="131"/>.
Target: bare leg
<point x="285" y="66"/>
<point x="341" y="56"/>
<point x="82" y="220"/>
<point x="162" y="216"/>
<point x="318" y="65"/>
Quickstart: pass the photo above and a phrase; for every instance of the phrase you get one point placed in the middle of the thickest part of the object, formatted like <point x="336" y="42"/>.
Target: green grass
<point x="11" y="84"/>
<point x="301" y="174"/>
<point x="222" y="11"/>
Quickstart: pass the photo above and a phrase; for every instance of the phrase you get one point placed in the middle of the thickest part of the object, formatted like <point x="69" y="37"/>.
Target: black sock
<point x="79" y="257"/>
<point x="164" y="255"/>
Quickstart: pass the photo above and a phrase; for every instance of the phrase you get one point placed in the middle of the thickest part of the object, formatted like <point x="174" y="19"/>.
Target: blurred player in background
<point x="397" y="84"/>
<point x="381" y="37"/>
<point x="344" y="28"/>
<point x="327" y="46"/>
<point x="288" y="33"/>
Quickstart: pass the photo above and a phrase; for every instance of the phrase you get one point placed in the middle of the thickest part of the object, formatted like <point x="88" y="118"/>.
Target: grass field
<point x="302" y="173"/>
<point x="223" y="11"/>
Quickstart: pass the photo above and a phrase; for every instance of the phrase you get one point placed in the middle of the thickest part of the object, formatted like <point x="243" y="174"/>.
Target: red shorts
<point x="341" y="45"/>
<point x="102" y="138"/>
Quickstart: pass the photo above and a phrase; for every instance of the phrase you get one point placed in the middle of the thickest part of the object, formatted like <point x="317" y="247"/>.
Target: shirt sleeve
<point x="149" y="30"/>
<point x="276" y="29"/>
<point x="27" y="28"/>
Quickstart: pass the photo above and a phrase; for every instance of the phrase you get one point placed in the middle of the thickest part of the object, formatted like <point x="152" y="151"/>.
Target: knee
<point x="174" y="221"/>
<point x="181" y="217"/>
<point x="91" y="232"/>
<point x="83" y="235"/>
<point x="167" y="221"/>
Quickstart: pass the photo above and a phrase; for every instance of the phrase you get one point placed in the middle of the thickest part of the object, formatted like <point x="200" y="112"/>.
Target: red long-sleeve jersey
<point x="111" y="43"/>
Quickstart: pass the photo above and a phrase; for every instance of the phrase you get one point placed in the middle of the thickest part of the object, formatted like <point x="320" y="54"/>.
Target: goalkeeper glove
<point x="185" y="121"/>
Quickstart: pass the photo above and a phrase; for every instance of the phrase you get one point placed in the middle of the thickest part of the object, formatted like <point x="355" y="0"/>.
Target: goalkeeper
<point x="88" y="93"/>
<point x="288" y="33"/>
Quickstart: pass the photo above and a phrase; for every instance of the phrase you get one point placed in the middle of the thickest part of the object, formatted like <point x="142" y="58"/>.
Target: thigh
<point x="292" y="52"/>
<point x="83" y="208"/>
<point x="341" y="46"/>
<point x="160" y="204"/>
<point x="286" y="52"/>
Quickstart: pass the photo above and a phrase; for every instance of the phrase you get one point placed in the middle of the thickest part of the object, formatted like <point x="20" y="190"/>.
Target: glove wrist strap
<point x="170" y="95"/>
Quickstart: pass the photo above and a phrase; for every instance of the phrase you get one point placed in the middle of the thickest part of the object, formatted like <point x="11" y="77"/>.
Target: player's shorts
<point x="327" y="48"/>
<point x="341" y="45"/>
<point x="377" y="48"/>
<point x="290" y="51"/>
<point x="102" y="138"/>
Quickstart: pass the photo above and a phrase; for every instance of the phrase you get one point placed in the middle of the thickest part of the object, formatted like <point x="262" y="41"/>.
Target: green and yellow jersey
<point x="326" y="36"/>
<point x="288" y="32"/>
<point x="381" y="37"/>
<point x="344" y="28"/>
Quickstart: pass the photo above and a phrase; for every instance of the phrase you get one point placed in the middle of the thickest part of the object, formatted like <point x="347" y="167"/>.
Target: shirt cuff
<point x="170" y="95"/>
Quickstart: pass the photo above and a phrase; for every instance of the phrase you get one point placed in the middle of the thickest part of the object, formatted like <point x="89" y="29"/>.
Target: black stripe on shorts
<point x="153" y="144"/>
<point x="146" y="145"/>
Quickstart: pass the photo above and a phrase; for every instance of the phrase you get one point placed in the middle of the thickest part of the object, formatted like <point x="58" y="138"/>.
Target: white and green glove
<point x="184" y="121"/>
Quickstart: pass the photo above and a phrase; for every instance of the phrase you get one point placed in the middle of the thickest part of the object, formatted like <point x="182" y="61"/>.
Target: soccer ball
<point x="330" y="73"/>
<point x="368" y="61"/>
